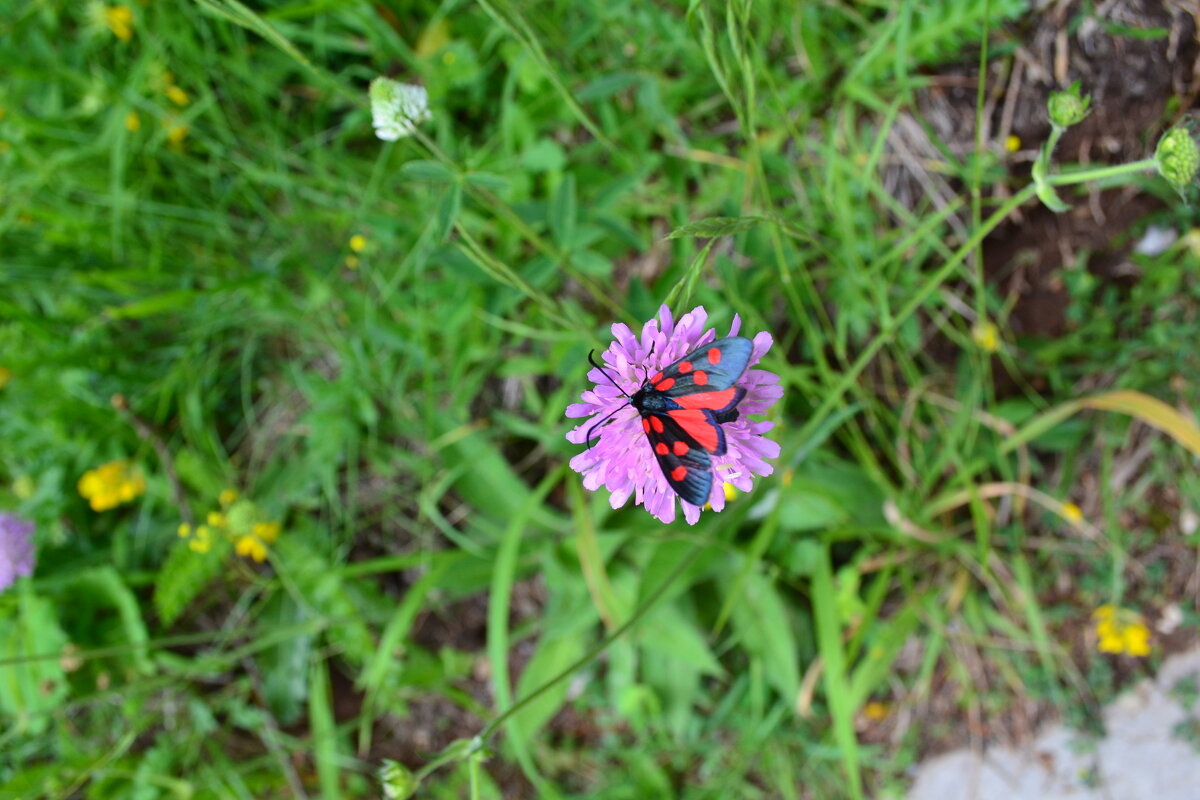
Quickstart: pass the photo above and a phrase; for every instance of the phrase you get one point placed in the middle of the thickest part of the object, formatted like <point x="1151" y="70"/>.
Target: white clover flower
<point x="397" y="108"/>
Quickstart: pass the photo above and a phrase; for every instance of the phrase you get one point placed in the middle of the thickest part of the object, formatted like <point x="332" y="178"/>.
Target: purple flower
<point x="620" y="458"/>
<point x="16" y="549"/>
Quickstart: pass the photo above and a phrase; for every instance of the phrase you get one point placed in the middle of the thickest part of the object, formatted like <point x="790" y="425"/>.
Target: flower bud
<point x="1068" y="107"/>
<point x="1177" y="157"/>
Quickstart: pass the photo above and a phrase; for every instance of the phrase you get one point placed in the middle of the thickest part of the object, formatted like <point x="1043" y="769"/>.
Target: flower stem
<point x="1102" y="173"/>
<point x="599" y="648"/>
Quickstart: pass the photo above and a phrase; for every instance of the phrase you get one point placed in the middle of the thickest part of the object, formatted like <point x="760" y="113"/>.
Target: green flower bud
<point x="397" y="780"/>
<point x="1067" y="108"/>
<point x="1177" y="157"/>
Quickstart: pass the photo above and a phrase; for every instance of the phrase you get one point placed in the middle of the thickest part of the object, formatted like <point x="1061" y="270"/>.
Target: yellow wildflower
<point x="730" y="491"/>
<point x="1071" y="513"/>
<point x="227" y="497"/>
<point x="184" y="530"/>
<point x="352" y="262"/>
<point x="177" y="96"/>
<point x="358" y="243"/>
<point x="1120" y="630"/>
<point x="254" y="544"/>
<point x="875" y="711"/>
<point x="133" y="122"/>
<point x="119" y="20"/>
<point x="5" y="374"/>
<point x="202" y="541"/>
<point x="986" y="336"/>
<point x="176" y="134"/>
<point x="110" y="485"/>
<point x="1013" y="143"/>
<point x="216" y="519"/>
<point x="24" y="487"/>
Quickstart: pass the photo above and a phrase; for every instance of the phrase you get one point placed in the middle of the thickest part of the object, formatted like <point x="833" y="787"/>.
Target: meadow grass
<point x="214" y="272"/>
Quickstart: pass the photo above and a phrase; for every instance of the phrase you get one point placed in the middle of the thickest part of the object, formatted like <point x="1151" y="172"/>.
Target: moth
<point x="683" y="407"/>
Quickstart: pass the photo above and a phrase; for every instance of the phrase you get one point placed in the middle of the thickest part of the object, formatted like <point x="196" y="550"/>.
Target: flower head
<point x="16" y="549"/>
<point x="177" y="96"/>
<point x="109" y="486"/>
<point x="397" y="108"/>
<point x="1119" y="630"/>
<point x="1178" y="157"/>
<point x="986" y="335"/>
<point x="1068" y="107"/>
<point x="620" y="458"/>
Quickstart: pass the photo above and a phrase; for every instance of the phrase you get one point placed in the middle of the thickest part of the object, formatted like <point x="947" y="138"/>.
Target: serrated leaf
<point x="713" y="227"/>
<point x="184" y="575"/>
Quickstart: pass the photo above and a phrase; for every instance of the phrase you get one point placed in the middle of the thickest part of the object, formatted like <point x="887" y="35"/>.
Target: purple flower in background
<point x="620" y="458"/>
<point x="16" y="549"/>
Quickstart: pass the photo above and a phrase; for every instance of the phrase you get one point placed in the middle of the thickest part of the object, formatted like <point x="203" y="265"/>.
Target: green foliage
<point x="185" y="288"/>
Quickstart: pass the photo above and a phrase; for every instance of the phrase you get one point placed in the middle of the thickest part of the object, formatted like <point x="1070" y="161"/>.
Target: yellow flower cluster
<point x="110" y="485"/>
<point x="1121" y="631"/>
<point x="239" y="522"/>
<point x="119" y="20"/>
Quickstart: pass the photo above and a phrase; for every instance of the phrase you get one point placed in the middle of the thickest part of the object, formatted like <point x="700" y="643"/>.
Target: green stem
<point x="1102" y="173"/>
<point x="638" y="613"/>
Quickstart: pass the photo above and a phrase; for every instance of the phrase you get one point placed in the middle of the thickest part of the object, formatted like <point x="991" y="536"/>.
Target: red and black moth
<point x="683" y="408"/>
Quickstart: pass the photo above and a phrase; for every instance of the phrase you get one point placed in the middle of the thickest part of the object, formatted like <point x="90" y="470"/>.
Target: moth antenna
<point x="592" y="361"/>
<point x="594" y="425"/>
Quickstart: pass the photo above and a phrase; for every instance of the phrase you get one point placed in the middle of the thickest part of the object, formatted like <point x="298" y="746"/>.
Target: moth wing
<point x="685" y="463"/>
<point x="711" y="367"/>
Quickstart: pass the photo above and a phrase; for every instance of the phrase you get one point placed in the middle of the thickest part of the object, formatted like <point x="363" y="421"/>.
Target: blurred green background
<point x="285" y="401"/>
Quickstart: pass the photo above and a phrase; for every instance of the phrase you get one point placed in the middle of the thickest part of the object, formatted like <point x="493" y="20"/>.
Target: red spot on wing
<point x="656" y="424"/>
<point x="681" y="448"/>
<point x="645" y="424"/>
<point x="679" y="473"/>
<point x="696" y="425"/>
<point x="657" y="377"/>
<point x="713" y="401"/>
<point x="685" y="367"/>
<point x="701" y="378"/>
<point x="714" y="355"/>
<point x="665" y="385"/>
<point x="661" y="448"/>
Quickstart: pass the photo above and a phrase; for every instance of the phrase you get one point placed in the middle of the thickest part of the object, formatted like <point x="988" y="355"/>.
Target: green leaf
<point x="285" y="665"/>
<point x="33" y="682"/>
<point x="552" y="656"/>
<point x="106" y="585"/>
<point x="324" y="732"/>
<point x="424" y="170"/>
<point x="562" y="212"/>
<point x="761" y="621"/>
<point x="713" y="227"/>
<point x="447" y="211"/>
<point x="185" y="574"/>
